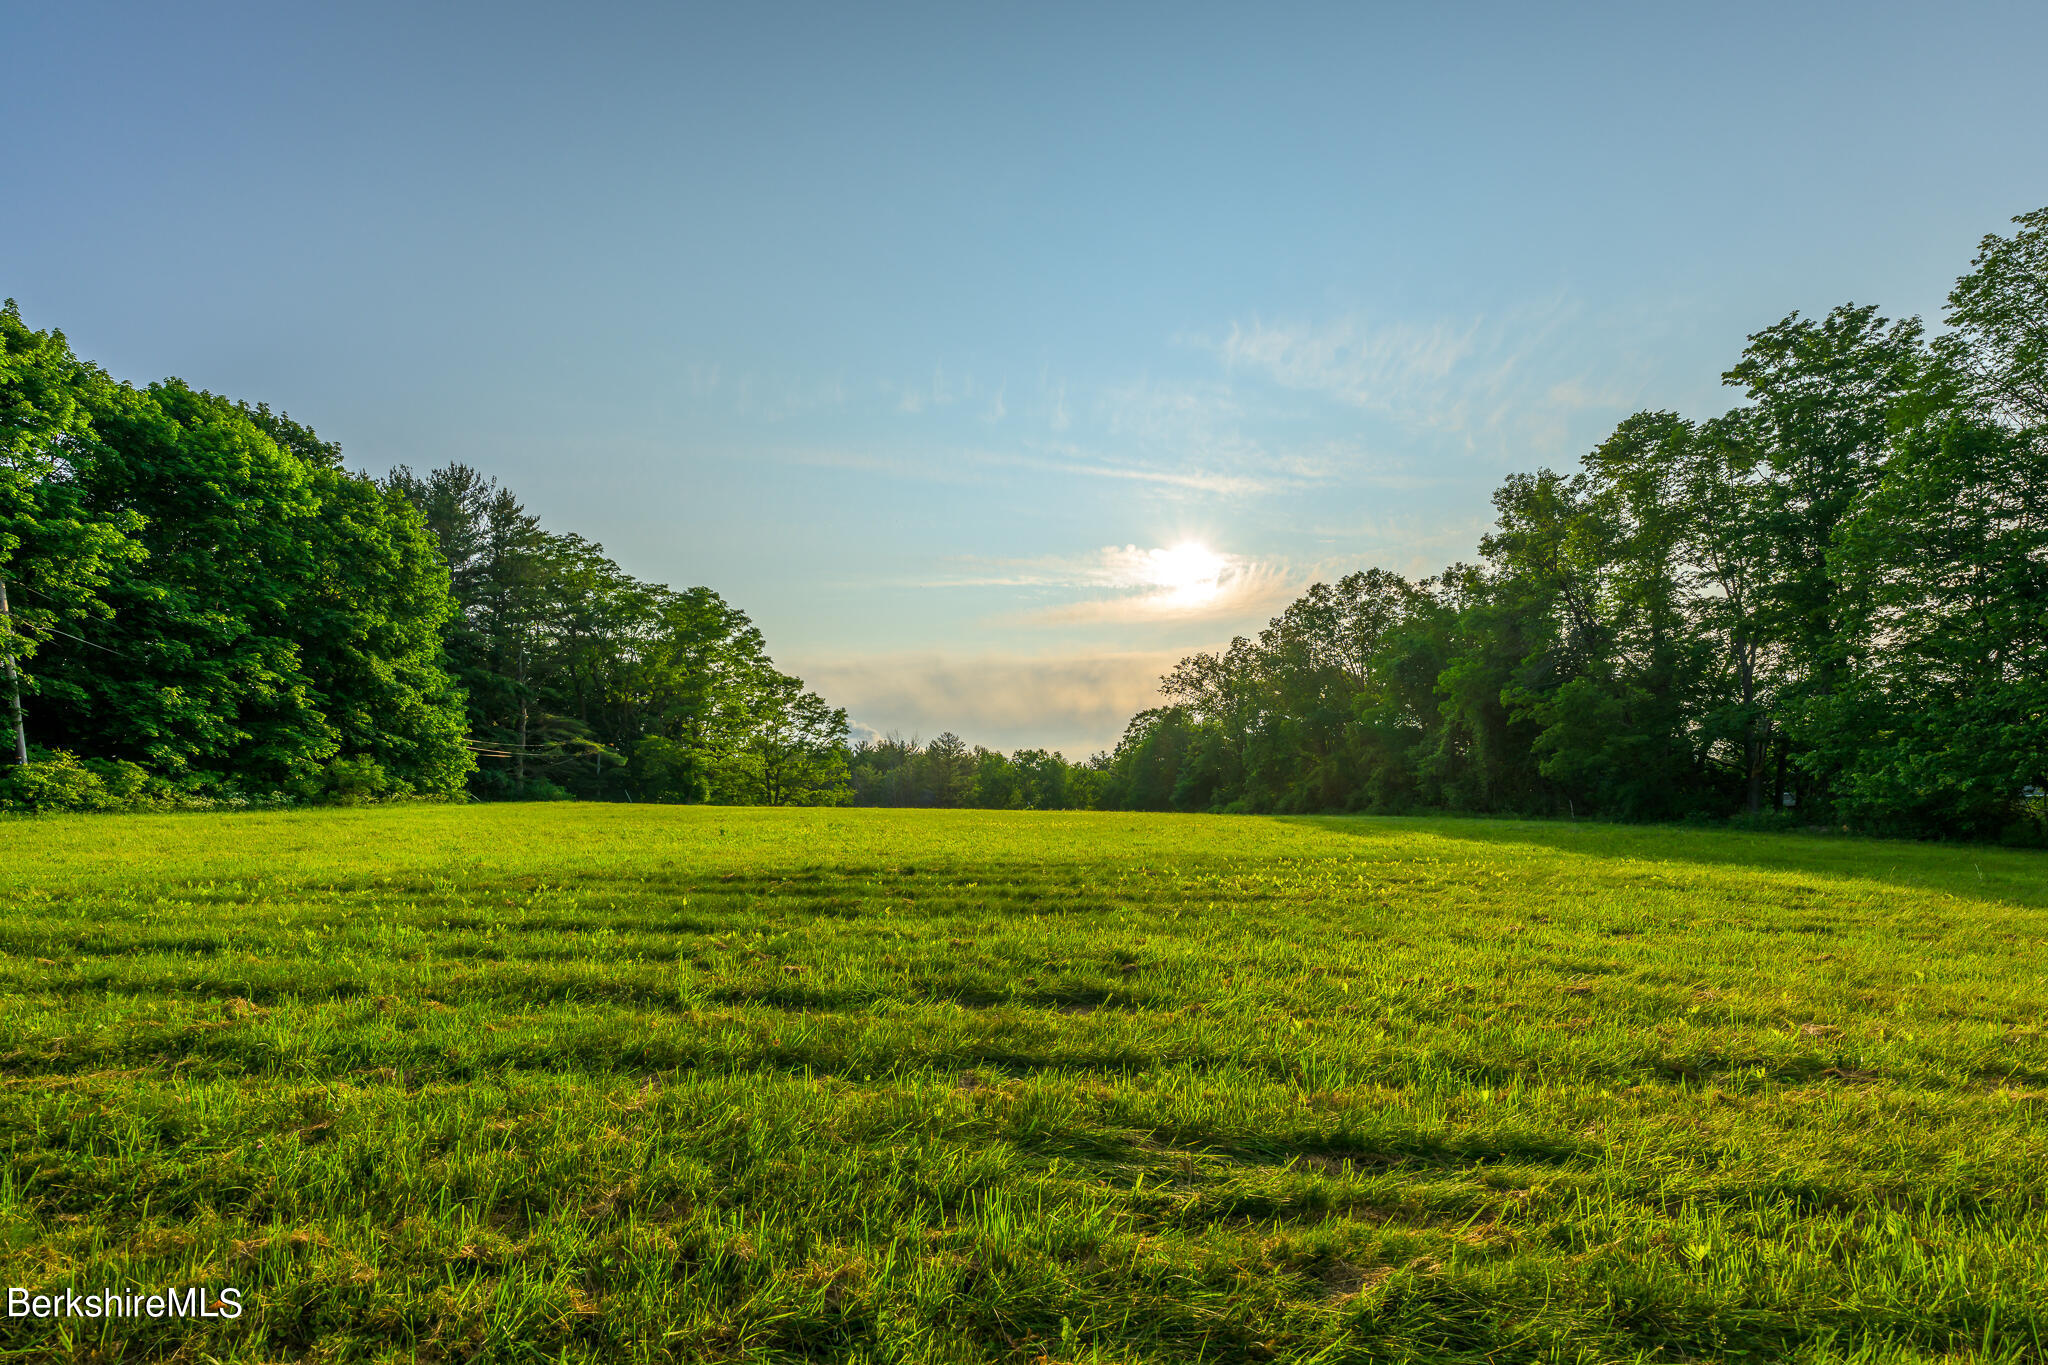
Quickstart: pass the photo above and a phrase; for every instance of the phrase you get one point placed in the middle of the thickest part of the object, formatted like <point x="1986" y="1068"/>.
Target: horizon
<point x="992" y="363"/>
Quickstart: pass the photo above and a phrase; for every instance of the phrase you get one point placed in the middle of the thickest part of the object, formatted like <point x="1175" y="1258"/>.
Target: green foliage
<point x="208" y="594"/>
<point x="54" y="781"/>
<point x="796" y="745"/>
<point x="56" y="541"/>
<point x="1832" y="598"/>
<point x="946" y="773"/>
<point x="202" y="590"/>
<point x="600" y="1082"/>
<point x="668" y="770"/>
<point x="51" y="782"/>
<point x="347" y="782"/>
<point x="581" y="680"/>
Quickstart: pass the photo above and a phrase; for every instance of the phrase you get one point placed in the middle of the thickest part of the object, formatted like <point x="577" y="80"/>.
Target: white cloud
<point x="1262" y="591"/>
<point x="1193" y="480"/>
<point x="1509" y="376"/>
<point x="1350" y="360"/>
<point x="941" y="392"/>
<point x="981" y="466"/>
<point x="1130" y="585"/>
<point x="1076" y="703"/>
<point x="1168" y="414"/>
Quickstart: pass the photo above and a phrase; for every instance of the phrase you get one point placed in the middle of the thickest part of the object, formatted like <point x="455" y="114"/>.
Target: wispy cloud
<point x="1206" y="424"/>
<point x="908" y="468"/>
<point x="765" y="398"/>
<point x="1408" y="542"/>
<point x="1058" y="418"/>
<point x="941" y="391"/>
<point x="1247" y="590"/>
<point x="1193" y="421"/>
<point x="1158" y="412"/>
<point x="1507" y="376"/>
<point x="1349" y="359"/>
<point x="1128" y="584"/>
<point x="980" y="466"/>
<point x="1076" y="461"/>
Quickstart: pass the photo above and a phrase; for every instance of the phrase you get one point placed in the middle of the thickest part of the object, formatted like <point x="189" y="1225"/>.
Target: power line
<point x="65" y="633"/>
<point x="119" y="654"/>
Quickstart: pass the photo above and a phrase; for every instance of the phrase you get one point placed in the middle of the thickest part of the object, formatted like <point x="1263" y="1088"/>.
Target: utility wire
<point x="538" y="748"/>
<point x="87" y="643"/>
<point x="65" y="633"/>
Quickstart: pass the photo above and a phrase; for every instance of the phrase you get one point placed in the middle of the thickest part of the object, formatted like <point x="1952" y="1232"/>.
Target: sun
<point x="1190" y="572"/>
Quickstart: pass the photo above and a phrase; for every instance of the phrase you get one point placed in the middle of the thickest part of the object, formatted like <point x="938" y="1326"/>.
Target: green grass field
<point x="608" y="1082"/>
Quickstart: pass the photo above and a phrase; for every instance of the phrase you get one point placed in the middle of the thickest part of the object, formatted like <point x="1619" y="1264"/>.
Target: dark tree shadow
<point x="1973" y="871"/>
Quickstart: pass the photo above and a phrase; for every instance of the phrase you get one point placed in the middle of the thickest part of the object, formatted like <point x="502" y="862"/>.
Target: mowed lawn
<point x="615" y="1082"/>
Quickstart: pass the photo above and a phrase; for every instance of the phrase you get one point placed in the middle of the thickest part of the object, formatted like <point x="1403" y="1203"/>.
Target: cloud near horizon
<point x="1075" y="703"/>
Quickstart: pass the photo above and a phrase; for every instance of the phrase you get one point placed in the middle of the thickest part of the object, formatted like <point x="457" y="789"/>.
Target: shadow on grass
<point x="1973" y="871"/>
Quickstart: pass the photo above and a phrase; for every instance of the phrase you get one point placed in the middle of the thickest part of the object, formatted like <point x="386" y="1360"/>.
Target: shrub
<point x="345" y="782"/>
<point x="53" y="780"/>
<point x="353" y="781"/>
<point x="540" y="789"/>
<point x="1770" y="821"/>
<point x="2025" y="833"/>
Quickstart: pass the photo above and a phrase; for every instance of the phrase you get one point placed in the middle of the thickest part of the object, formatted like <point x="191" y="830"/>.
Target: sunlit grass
<point x="602" y="1082"/>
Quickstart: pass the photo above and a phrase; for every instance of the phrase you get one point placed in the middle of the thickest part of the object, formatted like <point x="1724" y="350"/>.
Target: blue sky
<point x="929" y="335"/>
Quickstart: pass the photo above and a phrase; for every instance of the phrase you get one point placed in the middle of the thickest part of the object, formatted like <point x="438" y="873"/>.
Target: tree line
<point x="203" y="606"/>
<point x="1828" y="605"/>
<point x="946" y="773"/>
<point x="582" y="681"/>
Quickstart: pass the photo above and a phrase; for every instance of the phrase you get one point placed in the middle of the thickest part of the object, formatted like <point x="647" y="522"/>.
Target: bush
<point x="353" y="781"/>
<point x="2025" y="833"/>
<point x="346" y="781"/>
<point x="540" y="789"/>
<point x="55" y="781"/>
<point x="1769" y="821"/>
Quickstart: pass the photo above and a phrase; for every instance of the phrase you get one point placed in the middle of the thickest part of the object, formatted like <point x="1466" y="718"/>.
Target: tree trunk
<point x="1755" y="747"/>
<point x="1755" y="740"/>
<point x="519" y="764"/>
<point x="13" y="682"/>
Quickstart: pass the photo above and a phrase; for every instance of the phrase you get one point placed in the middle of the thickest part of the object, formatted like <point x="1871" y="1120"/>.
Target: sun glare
<point x="1192" y="573"/>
